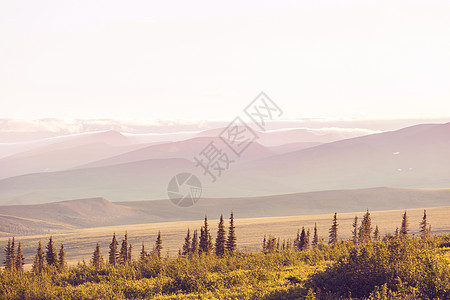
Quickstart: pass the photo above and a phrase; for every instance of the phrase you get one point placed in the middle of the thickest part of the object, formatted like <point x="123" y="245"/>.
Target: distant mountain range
<point x="116" y="167"/>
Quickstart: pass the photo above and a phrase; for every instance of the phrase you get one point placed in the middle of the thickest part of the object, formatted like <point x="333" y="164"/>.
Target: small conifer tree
<point x="123" y="255"/>
<point x="187" y="243"/>
<point x="231" y="245"/>
<point x="19" y="258"/>
<point x="404" y="227"/>
<point x="143" y="253"/>
<point x="315" y="241"/>
<point x="50" y="255"/>
<point x="39" y="263"/>
<point x="195" y="243"/>
<point x="97" y="258"/>
<point x="376" y="234"/>
<point x="158" y="245"/>
<point x="424" y="226"/>
<point x="333" y="232"/>
<point x="220" y="240"/>
<point x="62" y="258"/>
<point x="355" y="230"/>
<point x="113" y="252"/>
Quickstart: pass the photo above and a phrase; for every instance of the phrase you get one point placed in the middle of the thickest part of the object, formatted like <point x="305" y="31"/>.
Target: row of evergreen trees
<point x="14" y="261"/>
<point x="192" y="246"/>
<point x="224" y="243"/>
<point x="363" y="233"/>
<point x="51" y="257"/>
<point x="203" y="244"/>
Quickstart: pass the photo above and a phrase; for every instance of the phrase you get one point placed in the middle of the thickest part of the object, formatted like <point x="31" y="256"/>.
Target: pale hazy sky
<point x="208" y="59"/>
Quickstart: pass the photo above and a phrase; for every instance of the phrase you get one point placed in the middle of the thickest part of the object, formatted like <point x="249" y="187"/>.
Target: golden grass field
<point x="79" y="244"/>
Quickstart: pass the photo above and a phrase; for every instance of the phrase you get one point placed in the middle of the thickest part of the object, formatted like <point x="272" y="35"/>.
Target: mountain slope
<point x="187" y="149"/>
<point x="56" y="155"/>
<point x="133" y="181"/>
<point x="417" y="156"/>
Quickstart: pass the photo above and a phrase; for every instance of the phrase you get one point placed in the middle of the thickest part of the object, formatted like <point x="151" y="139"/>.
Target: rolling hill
<point x="86" y="213"/>
<point x="82" y="213"/>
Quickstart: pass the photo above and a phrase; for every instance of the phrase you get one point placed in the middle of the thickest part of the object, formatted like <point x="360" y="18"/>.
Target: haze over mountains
<point x="119" y="168"/>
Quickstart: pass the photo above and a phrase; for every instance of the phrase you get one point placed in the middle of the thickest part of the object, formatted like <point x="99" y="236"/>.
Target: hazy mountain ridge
<point x="413" y="157"/>
<point x="135" y="180"/>
<point x="85" y="213"/>
<point x="186" y="149"/>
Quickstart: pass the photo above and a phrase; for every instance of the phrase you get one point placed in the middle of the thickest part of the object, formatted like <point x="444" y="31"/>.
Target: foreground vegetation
<point x="393" y="267"/>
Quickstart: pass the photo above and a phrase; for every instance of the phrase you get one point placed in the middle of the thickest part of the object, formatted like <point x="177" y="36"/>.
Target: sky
<point x="206" y="60"/>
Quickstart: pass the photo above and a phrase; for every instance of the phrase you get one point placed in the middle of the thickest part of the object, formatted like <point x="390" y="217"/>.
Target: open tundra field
<point x="80" y="243"/>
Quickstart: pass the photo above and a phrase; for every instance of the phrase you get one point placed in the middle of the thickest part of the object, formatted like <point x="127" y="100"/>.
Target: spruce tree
<point x="307" y="239"/>
<point x="424" y="226"/>
<point x="264" y="245"/>
<point x="297" y="240"/>
<point x="143" y="253"/>
<point x="38" y="264"/>
<point x="187" y="243"/>
<point x="315" y="241"/>
<point x="123" y="255"/>
<point x="404" y="227"/>
<point x="97" y="258"/>
<point x="158" y="245"/>
<point x="62" y="258"/>
<point x="376" y="234"/>
<point x="201" y="242"/>
<point x="50" y="255"/>
<point x="13" y="254"/>
<point x="195" y="243"/>
<point x="220" y="240"/>
<point x="129" y="254"/>
<point x="333" y="236"/>
<point x="355" y="230"/>
<point x="302" y="241"/>
<point x="366" y="228"/>
<point x="113" y="253"/>
<point x="19" y="259"/>
<point x="205" y="239"/>
<point x="231" y="245"/>
<point x="8" y="262"/>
